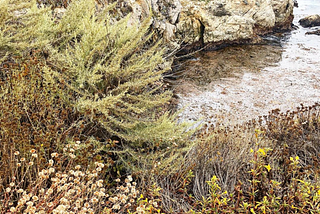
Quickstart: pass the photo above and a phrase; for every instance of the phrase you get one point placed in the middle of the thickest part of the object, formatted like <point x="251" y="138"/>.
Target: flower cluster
<point x="74" y="189"/>
<point x="127" y="199"/>
<point x="62" y="186"/>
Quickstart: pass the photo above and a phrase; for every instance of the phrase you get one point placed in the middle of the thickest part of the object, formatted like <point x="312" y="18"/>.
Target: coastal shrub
<point x="106" y="69"/>
<point x="268" y="165"/>
<point x="297" y="193"/>
<point x="85" y="76"/>
<point x="113" y="73"/>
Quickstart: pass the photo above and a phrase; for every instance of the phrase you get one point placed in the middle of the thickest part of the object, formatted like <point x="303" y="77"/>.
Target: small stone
<point x="310" y="21"/>
<point x="317" y="32"/>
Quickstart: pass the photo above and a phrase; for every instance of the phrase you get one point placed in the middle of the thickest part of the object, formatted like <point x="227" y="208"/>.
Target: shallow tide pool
<point x="240" y="83"/>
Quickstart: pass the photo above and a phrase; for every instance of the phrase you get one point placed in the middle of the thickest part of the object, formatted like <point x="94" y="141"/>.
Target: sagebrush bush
<point x="107" y="69"/>
<point x="114" y="72"/>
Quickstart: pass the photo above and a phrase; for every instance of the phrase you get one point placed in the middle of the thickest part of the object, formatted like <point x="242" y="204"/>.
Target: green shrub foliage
<point x="106" y="68"/>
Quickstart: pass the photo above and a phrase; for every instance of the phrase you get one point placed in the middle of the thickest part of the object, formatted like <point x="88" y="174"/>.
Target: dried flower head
<point x="54" y="155"/>
<point x="72" y="155"/>
<point x="116" y="207"/>
<point x="29" y="203"/>
<point x="51" y="170"/>
<point x="94" y="200"/>
<point x="51" y="162"/>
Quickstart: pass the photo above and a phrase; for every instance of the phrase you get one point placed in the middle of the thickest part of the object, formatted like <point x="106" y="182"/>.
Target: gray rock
<point x="310" y="21"/>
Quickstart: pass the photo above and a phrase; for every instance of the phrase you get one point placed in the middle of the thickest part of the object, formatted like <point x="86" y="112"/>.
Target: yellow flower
<point x="262" y="152"/>
<point x="268" y="167"/>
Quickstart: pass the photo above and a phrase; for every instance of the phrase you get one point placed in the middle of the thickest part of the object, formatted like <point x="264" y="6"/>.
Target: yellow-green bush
<point x="105" y="68"/>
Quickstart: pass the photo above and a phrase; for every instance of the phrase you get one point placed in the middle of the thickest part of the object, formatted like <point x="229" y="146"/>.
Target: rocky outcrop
<point x="211" y="21"/>
<point x="310" y="21"/>
<point x="232" y="21"/>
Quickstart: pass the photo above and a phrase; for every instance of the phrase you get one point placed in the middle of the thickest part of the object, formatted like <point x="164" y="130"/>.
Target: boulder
<point x="232" y="21"/>
<point x="310" y="21"/>
<point x="202" y="22"/>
